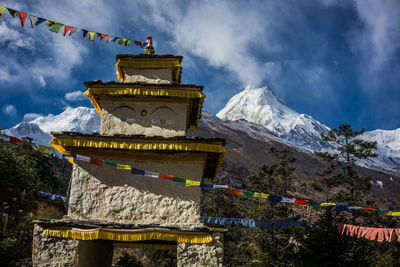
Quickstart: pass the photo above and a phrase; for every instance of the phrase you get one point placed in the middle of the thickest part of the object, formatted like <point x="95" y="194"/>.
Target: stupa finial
<point x="149" y="48"/>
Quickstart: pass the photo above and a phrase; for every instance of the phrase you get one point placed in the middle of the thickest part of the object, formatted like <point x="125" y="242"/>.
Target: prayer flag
<point x="220" y="186"/>
<point x="138" y="43"/>
<point x="393" y="213"/>
<point x="151" y="174"/>
<point x="206" y="185"/>
<point x="229" y="221"/>
<point x="127" y="42"/>
<point x="32" y="19"/>
<point x="233" y="191"/>
<point x="16" y="141"/>
<point x="39" y="21"/>
<point x="49" y="23"/>
<point x="137" y="171"/>
<point x="103" y="36"/>
<point x="83" y="158"/>
<point x="109" y="39"/>
<point x="340" y="208"/>
<point x="371" y="209"/>
<point x="44" y="149"/>
<point x="256" y="195"/>
<point x="288" y="200"/>
<point x="252" y="223"/>
<point x="123" y="167"/>
<point x="274" y="198"/>
<point x="22" y="18"/>
<point x="264" y="195"/>
<point x="1" y="11"/>
<point x="66" y="29"/>
<point x="73" y="30"/>
<point x="91" y="34"/>
<point x="327" y="204"/>
<point x="164" y="176"/>
<point x="300" y="202"/>
<point x="192" y="183"/>
<point x="381" y="210"/>
<point x="115" y="39"/>
<point x="12" y="12"/>
<point x="248" y="193"/>
<point x="244" y="222"/>
<point x="236" y="221"/>
<point x="221" y="221"/>
<point x="109" y="162"/>
<point x="84" y="33"/>
<point x="70" y="159"/>
<point x="179" y="180"/>
<point x="355" y="208"/>
<point x="121" y="41"/>
<point x="97" y="162"/>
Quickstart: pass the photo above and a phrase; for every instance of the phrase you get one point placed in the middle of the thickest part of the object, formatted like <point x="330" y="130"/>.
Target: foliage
<point x="163" y="258"/>
<point x="127" y="260"/>
<point x="341" y="172"/>
<point x="7" y="250"/>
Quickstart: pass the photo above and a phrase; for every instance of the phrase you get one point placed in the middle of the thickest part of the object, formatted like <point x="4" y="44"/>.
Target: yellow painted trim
<point x="61" y="144"/>
<point x="130" y="236"/>
<point x="144" y="64"/>
<point x="145" y="246"/>
<point x="91" y="91"/>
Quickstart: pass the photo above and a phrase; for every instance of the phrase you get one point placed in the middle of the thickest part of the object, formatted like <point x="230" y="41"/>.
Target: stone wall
<point x="112" y="195"/>
<point x="161" y="119"/>
<point x="196" y="255"/>
<point x="49" y="251"/>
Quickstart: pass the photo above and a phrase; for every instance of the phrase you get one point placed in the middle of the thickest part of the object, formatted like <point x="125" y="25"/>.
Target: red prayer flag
<point x="138" y="43"/>
<point x="97" y="162"/>
<point x="16" y="141"/>
<point x="372" y="209"/>
<point x="233" y="191"/>
<point x="164" y="176"/>
<point x="301" y="202"/>
<point x="66" y="29"/>
<point x="103" y="36"/>
<point x="22" y="17"/>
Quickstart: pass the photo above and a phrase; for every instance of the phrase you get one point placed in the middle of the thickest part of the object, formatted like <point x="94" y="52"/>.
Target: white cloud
<point x="31" y="116"/>
<point x="42" y="81"/>
<point x="9" y="110"/>
<point x="75" y="96"/>
<point x="218" y="32"/>
<point x="14" y="39"/>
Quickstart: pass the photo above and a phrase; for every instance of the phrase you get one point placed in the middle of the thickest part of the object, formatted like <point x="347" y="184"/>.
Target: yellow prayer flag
<point x="91" y="35"/>
<point x="264" y="195"/>
<point x="121" y="41"/>
<point x="123" y="167"/>
<point x="256" y="195"/>
<point x="49" y="23"/>
<point x="393" y="213"/>
<point x="192" y="183"/>
<point x="2" y="11"/>
<point x="327" y="204"/>
<point x="44" y="149"/>
<point x="70" y="160"/>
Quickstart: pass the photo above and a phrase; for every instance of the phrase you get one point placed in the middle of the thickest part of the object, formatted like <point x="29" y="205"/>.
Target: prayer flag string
<point x="188" y="182"/>
<point x="57" y="26"/>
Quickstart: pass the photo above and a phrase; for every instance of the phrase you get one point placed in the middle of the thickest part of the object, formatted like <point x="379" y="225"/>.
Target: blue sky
<point x="338" y="61"/>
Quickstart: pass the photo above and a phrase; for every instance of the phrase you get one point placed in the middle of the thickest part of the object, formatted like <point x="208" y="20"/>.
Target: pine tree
<point x="341" y="172"/>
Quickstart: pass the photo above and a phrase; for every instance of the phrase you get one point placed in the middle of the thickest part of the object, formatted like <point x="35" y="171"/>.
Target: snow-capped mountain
<point x="262" y="106"/>
<point x="80" y="119"/>
<point x="255" y="112"/>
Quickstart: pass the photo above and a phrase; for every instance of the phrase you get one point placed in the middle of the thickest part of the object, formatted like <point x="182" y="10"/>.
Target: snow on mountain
<point x="80" y="119"/>
<point x="262" y="106"/>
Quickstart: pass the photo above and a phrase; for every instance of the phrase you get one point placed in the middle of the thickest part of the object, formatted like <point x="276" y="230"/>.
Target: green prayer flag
<point x="12" y="12"/>
<point x="49" y="23"/>
<point x="382" y="210"/>
<point x="180" y="180"/>
<point x="314" y="204"/>
<point x="248" y="193"/>
<point x="127" y="42"/>
<point x="109" y="162"/>
<point x="56" y="27"/>
<point x="121" y="41"/>
<point x="44" y="149"/>
<point x="2" y="11"/>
